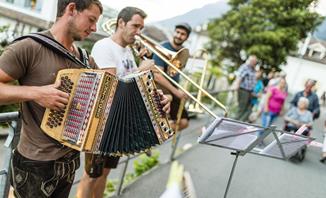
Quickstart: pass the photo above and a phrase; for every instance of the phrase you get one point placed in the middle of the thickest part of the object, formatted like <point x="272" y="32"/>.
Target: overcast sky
<point x="159" y="9"/>
<point x="162" y="9"/>
<point x="322" y="7"/>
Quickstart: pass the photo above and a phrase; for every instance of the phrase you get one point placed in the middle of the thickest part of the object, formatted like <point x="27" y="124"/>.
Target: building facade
<point x="25" y="16"/>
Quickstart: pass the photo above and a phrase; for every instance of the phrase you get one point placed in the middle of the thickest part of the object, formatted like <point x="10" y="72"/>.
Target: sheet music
<point x="290" y="143"/>
<point x="231" y="134"/>
<point x="237" y="142"/>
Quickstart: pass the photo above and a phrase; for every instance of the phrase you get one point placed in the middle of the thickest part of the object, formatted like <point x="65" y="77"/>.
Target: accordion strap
<point x="58" y="48"/>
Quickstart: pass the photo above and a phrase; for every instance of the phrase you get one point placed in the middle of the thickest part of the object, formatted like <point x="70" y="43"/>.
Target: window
<point x="34" y="5"/>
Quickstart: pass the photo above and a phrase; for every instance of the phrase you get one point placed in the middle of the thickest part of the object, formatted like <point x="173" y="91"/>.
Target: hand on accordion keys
<point x="165" y="101"/>
<point x="51" y="97"/>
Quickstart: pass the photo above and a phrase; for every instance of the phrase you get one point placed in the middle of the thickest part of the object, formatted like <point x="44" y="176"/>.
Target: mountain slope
<point x="320" y="32"/>
<point x="197" y="16"/>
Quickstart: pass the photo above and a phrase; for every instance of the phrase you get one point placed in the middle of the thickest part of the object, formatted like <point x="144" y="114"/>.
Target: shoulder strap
<point x="54" y="46"/>
<point x="84" y="55"/>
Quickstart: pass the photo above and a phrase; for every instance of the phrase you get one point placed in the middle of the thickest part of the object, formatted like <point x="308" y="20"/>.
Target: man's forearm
<point x="10" y="94"/>
<point x="165" y="83"/>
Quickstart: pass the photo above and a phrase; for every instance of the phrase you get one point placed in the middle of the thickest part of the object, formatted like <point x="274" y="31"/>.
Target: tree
<point x="269" y="29"/>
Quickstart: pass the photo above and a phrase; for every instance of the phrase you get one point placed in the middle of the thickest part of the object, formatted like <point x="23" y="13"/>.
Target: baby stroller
<point x="300" y="155"/>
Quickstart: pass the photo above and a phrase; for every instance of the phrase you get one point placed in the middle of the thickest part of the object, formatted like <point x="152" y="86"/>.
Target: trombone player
<point x="181" y="34"/>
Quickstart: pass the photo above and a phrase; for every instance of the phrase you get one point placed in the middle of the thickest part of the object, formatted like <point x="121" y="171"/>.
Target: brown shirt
<point x="33" y="64"/>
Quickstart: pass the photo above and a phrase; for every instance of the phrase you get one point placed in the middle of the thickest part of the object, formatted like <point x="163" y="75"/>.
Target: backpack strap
<point x="56" y="47"/>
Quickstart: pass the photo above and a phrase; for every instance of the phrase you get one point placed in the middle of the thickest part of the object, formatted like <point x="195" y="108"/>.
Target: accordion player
<point x="106" y="115"/>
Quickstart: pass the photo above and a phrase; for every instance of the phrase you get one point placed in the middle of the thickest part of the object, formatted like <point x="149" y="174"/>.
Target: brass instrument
<point x="151" y="46"/>
<point x="109" y="25"/>
<point x="168" y="58"/>
<point x="178" y="59"/>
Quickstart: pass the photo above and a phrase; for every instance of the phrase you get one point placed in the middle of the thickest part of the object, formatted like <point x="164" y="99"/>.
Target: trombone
<point x="179" y="58"/>
<point x="203" y="54"/>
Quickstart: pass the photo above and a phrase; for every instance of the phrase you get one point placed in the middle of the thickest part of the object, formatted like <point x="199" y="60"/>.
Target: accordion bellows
<point x="107" y="115"/>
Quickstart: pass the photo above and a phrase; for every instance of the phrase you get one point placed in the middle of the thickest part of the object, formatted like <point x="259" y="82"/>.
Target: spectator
<point x="311" y="96"/>
<point x="245" y="83"/>
<point x="267" y="78"/>
<point x="297" y="116"/>
<point x="275" y="99"/>
<point x="276" y="79"/>
<point x="258" y="89"/>
<point x="256" y="96"/>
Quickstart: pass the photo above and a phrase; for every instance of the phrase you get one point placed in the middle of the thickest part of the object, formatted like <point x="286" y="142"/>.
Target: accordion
<point x="106" y="115"/>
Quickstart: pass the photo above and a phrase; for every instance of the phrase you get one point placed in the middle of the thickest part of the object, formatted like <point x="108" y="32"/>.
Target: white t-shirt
<point x="109" y="54"/>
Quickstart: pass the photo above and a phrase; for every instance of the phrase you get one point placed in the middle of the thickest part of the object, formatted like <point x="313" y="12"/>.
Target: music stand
<point x="245" y="138"/>
<point x="231" y="134"/>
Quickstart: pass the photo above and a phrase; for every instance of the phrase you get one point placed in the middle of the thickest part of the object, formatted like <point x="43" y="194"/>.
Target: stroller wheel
<point x="300" y="155"/>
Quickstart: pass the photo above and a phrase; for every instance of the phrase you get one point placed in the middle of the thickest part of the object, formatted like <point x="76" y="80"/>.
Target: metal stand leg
<point x="174" y="146"/>
<point x="232" y="171"/>
<point x="123" y="174"/>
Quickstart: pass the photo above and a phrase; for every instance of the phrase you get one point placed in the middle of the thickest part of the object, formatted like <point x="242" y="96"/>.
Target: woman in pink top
<point x="275" y="99"/>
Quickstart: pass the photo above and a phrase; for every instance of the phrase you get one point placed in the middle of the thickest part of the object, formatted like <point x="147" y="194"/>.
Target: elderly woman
<point x="297" y="116"/>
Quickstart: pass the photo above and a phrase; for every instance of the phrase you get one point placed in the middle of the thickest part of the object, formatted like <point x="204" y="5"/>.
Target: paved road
<point x="255" y="176"/>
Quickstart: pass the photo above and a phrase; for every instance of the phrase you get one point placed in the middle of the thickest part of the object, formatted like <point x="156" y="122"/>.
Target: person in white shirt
<point x="114" y="55"/>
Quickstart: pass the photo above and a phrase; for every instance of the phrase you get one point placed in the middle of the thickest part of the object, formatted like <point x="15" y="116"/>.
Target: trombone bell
<point x="179" y="60"/>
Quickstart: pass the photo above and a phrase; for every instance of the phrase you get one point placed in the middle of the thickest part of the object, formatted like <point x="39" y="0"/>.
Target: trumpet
<point x="179" y="58"/>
